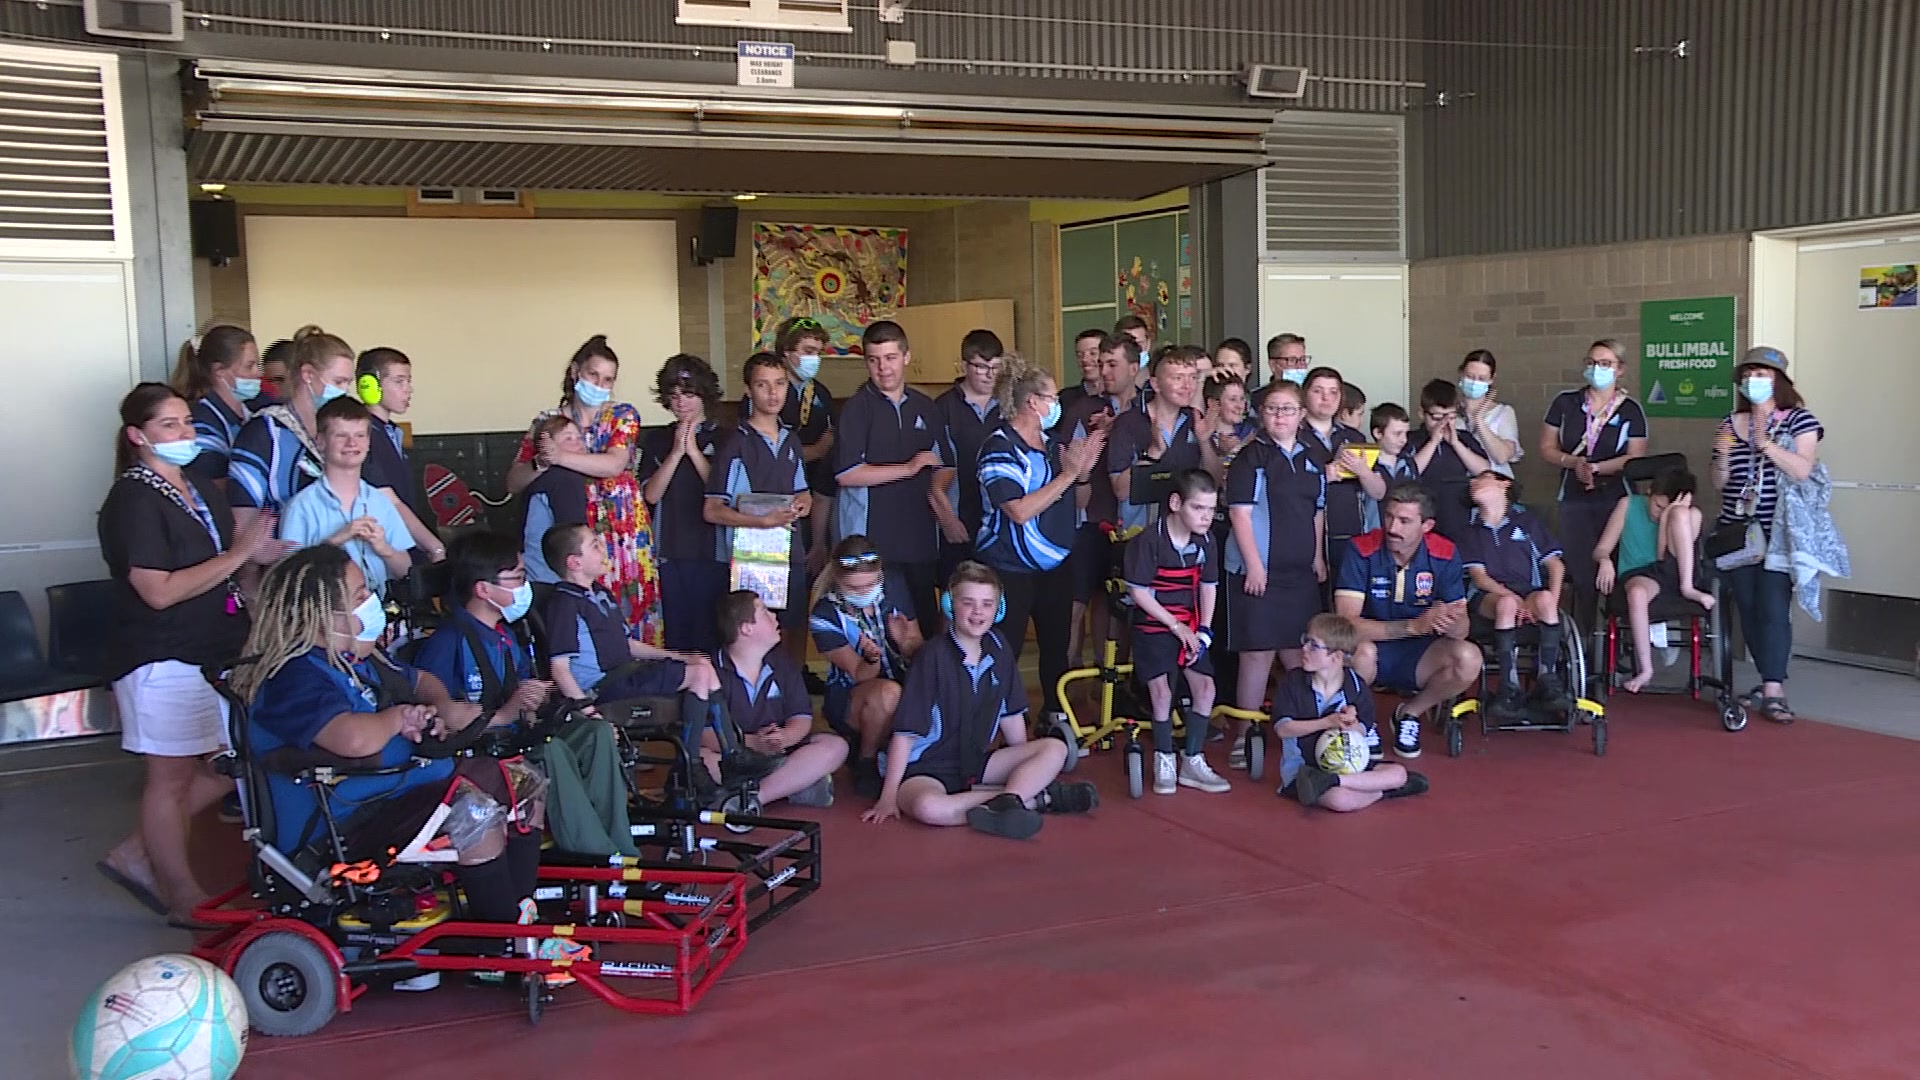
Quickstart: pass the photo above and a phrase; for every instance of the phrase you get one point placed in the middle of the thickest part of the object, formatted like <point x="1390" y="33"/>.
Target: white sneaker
<point x="1166" y="773"/>
<point x="1406" y="739"/>
<point x="1196" y="773"/>
<point x="1237" y="756"/>
<point x="426" y="980"/>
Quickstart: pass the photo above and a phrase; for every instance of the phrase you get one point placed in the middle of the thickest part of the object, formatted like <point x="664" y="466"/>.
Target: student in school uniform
<point x="1173" y="575"/>
<point x="1349" y="481"/>
<point x="1086" y="354"/>
<point x="1515" y="571"/>
<point x="964" y="692"/>
<point x="810" y="412"/>
<point x="219" y="375"/>
<point x="277" y="453"/>
<point x="1090" y="565"/>
<point x="555" y="496"/>
<point x="1447" y="456"/>
<point x="344" y="510"/>
<point x="863" y="623"/>
<point x="884" y="461"/>
<point x="1027" y="526"/>
<point x="762" y="456"/>
<point x="1390" y="427"/>
<point x="1166" y="432"/>
<point x="676" y="463"/>
<point x="969" y="411"/>
<point x="1325" y="694"/>
<point x="766" y="697"/>
<point x="1276" y="500"/>
<point x="384" y="383"/>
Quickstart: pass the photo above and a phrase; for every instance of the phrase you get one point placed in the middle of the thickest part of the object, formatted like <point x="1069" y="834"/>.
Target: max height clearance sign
<point x="1686" y="356"/>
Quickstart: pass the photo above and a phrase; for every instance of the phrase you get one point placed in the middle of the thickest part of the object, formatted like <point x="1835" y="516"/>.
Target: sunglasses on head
<point x="806" y="322"/>
<point x="855" y="562"/>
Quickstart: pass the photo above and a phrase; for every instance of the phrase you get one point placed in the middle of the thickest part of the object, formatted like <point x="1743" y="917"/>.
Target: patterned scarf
<point x="196" y="510"/>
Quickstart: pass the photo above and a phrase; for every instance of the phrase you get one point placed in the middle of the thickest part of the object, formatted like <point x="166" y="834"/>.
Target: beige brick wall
<point x="1539" y="311"/>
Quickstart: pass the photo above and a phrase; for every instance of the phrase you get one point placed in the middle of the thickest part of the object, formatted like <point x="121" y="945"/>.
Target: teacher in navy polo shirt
<point x="884" y="462"/>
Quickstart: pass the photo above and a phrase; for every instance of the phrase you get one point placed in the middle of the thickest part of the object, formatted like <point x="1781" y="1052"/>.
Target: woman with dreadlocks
<point x="318" y="684"/>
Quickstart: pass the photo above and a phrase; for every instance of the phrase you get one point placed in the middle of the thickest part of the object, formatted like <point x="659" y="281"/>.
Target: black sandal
<point x="1776" y="710"/>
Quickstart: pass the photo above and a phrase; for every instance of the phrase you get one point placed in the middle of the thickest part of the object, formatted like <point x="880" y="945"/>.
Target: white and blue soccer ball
<point x="171" y="1017"/>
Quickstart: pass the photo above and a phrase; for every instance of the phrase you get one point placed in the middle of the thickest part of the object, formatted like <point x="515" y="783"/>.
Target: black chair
<point x="80" y="630"/>
<point x="24" y="671"/>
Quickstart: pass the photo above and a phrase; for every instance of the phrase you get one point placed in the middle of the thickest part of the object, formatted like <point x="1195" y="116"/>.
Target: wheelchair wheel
<point x="537" y="996"/>
<point x="1733" y="716"/>
<point x="1456" y="737"/>
<point x="1256" y="752"/>
<point x="288" y="983"/>
<point x="740" y="804"/>
<point x="1599" y="736"/>
<point x="1136" y="769"/>
<point x="1062" y="729"/>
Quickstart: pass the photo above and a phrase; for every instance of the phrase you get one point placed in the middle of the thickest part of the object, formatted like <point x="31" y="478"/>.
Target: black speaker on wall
<point x="718" y="224"/>
<point x="216" y="229"/>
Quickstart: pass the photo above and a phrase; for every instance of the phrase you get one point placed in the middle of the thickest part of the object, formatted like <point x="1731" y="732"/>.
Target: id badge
<point x="1749" y="503"/>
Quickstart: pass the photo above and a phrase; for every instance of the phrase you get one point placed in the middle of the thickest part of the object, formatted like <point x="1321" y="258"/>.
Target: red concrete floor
<point x="1696" y="904"/>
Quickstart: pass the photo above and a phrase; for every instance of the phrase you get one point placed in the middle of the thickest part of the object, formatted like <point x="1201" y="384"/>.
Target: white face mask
<point x="373" y="618"/>
<point x="590" y="395"/>
<point x="1475" y="389"/>
<point x="1599" y="376"/>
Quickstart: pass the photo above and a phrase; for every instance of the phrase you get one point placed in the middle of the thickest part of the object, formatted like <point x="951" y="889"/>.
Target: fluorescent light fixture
<point x="1299" y="277"/>
<point x="213" y="189"/>
<point x="1369" y="277"/>
<point x="745" y="196"/>
<point x="1878" y="241"/>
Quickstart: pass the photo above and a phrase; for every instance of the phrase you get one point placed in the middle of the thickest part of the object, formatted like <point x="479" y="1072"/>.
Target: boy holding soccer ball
<point x="1324" y="694"/>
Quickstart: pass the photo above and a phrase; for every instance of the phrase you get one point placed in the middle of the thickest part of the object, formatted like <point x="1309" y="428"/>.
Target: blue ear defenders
<point x="999" y="613"/>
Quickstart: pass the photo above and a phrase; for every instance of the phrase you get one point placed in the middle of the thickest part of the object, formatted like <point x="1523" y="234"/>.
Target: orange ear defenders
<point x="367" y="388"/>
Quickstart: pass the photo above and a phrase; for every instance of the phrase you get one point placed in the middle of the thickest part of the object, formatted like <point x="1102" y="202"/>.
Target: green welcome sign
<point x="1686" y="356"/>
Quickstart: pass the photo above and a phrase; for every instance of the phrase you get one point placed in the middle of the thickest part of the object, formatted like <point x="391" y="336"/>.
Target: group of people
<point x="260" y="513"/>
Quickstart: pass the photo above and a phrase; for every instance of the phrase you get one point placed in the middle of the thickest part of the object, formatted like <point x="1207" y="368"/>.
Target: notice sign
<point x="766" y="63"/>
<point x="1686" y="356"/>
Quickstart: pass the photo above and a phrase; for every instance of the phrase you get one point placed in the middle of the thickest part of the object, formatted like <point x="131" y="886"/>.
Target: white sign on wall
<point x="766" y="63"/>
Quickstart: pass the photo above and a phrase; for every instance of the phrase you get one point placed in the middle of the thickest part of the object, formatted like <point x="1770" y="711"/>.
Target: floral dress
<point x="618" y="513"/>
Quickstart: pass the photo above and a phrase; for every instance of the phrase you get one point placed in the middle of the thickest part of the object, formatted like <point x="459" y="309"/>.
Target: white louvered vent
<point x="62" y="179"/>
<point x="815" y="15"/>
<point x="1334" y="187"/>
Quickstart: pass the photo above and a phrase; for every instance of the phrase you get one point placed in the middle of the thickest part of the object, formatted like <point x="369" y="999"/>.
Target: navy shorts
<point x="651" y="678"/>
<point x="1157" y="654"/>
<point x="952" y="782"/>
<point x="1400" y="663"/>
<point x="690" y="592"/>
<point x="1090" y="563"/>
<point x="1273" y="620"/>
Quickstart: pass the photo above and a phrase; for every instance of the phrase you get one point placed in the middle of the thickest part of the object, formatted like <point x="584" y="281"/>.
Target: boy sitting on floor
<point x="1322" y="694"/>
<point x="1514" y="566"/>
<point x="771" y="706"/>
<point x="940" y="767"/>
<point x="1654" y="535"/>
<point x="589" y="639"/>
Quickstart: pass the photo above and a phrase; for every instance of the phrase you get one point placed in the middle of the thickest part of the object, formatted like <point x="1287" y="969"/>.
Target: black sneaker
<point x="867" y="780"/>
<point x="1005" y="815"/>
<point x="1406" y="736"/>
<point x="230" y="809"/>
<point x="744" y="764"/>
<point x="1376" y="750"/>
<point x="1507" y="703"/>
<point x="1313" y="783"/>
<point x="1549" y="689"/>
<point x="1069" y="797"/>
<point x="1416" y="785"/>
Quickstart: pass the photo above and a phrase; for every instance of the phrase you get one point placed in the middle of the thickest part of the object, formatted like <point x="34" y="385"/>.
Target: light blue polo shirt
<point x="316" y="513"/>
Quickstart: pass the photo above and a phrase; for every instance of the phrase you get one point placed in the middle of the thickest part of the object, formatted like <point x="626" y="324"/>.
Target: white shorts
<point x="168" y="709"/>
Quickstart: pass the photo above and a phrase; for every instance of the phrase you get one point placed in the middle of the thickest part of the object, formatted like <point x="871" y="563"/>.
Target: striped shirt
<point x="1748" y="467"/>
<point x="270" y="463"/>
<point x="215" y="426"/>
<point x="1010" y="469"/>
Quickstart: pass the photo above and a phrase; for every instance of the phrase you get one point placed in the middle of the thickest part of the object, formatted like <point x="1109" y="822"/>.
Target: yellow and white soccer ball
<point x="175" y="1017"/>
<point x="1341" y="752"/>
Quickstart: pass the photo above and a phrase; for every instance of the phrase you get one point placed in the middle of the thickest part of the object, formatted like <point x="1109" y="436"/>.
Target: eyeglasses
<point x="510" y="580"/>
<point x="1281" y="410"/>
<point x="1309" y="644"/>
<point x="984" y="365"/>
<point x="855" y="562"/>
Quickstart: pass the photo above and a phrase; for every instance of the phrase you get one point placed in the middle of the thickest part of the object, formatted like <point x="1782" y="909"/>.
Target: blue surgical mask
<point x="807" y="366"/>
<point x="588" y="394"/>
<point x="522" y="600"/>
<point x="1599" y="376"/>
<point x="176" y="453"/>
<point x="862" y="599"/>
<point x="373" y="618"/>
<point x="1756" y="388"/>
<point x="1296" y="376"/>
<point x="246" y="389"/>
<point x="1052" y="417"/>
<point x="1475" y="389"/>
<point x="328" y="393"/>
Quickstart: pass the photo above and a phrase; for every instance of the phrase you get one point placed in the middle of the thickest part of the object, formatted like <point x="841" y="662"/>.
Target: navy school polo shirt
<point x="555" y="497"/>
<point x="1445" y="479"/>
<point x="294" y="706"/>
<point x="1345" y="498"/>
<point x="215" y="426"/>
<point x="585" y="629"/>
<point x="1074" y="419"/>
<point x="1296" y="698"/>
<point x="1174" y="573"/>
<point x="1132" y="436"/>
<point x="1011" y="468"/>
<point x="809" y="411"/>
<point x="953" y="710"/>
<point x="834" y="625"/>
<point x="1510" y="553"/>
<point x="1568" y="413"/>
<point x="1391" y="591"/>
<point x="876" y="430"/>
<point x="748" y="462"/>
<point x="448" y="655"/>
<point x="386" y="465"/>
<point x="963" y="429"/>
<point x="679" y="529"/>
<point x="1285" y="488"/>
<point x="776" y="694"/>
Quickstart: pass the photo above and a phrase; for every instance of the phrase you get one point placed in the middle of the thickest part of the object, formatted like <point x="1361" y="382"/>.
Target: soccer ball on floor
<point x="174" y="1017"/>
<point x="1341" y="752"/>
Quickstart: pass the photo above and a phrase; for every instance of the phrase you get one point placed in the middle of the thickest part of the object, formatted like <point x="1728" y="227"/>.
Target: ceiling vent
<point x="801" y="15"/>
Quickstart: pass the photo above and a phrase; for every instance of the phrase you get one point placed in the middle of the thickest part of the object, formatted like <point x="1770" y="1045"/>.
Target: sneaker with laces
<point x="817" y="794"/>
<point x="1005" y="815"/>
<point x="1507" y="703"/>
<point x="426" y="980"/>
<point x="1069" y="797"/>
<point x="1237" y="757"/>
<point x="1376" y="751"/>
<point x="1549" y="688"/>
<point x="1166" y="773"/>
<point x="1406" y="736"/>
<point x="1196" y="773"/>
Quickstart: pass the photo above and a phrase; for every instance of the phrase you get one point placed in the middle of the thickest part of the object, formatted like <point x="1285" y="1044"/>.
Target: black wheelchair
<point x="1562" y="711"/>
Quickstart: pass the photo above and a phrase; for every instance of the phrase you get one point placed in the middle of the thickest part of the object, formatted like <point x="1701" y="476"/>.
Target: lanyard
<point x="806" y="402"/>
<point x="1596" y="424"/>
